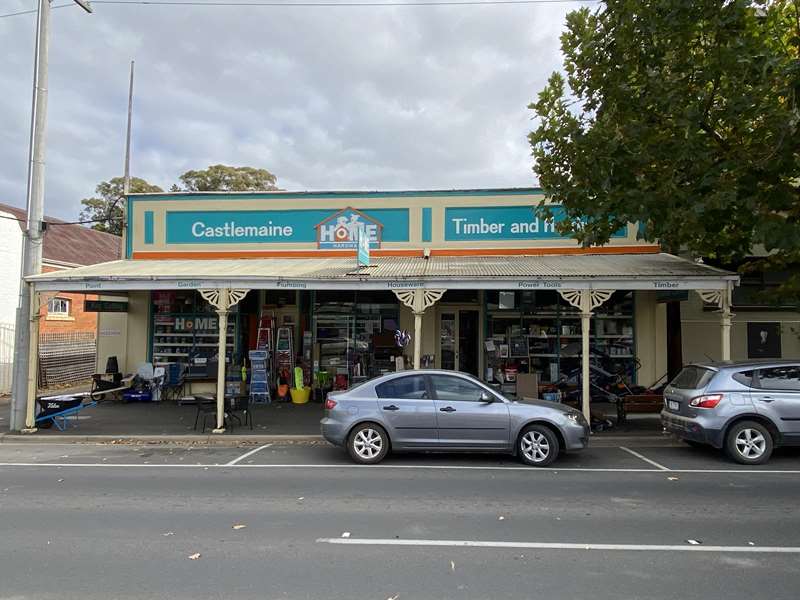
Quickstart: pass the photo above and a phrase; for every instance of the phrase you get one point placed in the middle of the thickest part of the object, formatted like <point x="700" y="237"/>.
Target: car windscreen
<point x="692" y="378"/>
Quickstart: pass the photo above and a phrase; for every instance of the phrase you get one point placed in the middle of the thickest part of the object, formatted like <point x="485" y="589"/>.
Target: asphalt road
<point x="103" y="522"/>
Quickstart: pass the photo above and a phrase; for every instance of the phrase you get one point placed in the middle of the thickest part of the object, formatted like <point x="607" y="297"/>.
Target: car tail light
<point x="330" y="403"/>
<point x="708" y="401"/>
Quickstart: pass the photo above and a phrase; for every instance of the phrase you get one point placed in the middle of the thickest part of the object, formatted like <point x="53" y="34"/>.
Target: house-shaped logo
<point x="340" y="230"/>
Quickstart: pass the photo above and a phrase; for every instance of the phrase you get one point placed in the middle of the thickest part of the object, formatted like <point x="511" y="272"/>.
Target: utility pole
<point x="126" y="182"/>
<point x="32" y="236"/>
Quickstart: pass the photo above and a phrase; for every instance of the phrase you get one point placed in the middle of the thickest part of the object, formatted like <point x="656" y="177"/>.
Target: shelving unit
<point x="196" y="347"/>
<point x="553" y="331"/>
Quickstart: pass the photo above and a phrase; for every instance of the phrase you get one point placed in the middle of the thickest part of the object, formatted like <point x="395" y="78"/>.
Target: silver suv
<point x="747" y="408"/>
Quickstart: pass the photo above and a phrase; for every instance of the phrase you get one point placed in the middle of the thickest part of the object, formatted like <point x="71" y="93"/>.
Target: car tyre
<point x="368" y="444"/>
<point x="538" y="445"/>
<point x="749" y="443"/>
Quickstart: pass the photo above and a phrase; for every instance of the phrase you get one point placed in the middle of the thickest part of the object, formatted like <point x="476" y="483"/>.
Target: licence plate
<point x="672" y="405"/>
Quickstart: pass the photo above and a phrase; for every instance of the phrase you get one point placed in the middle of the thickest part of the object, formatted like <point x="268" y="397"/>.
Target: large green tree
<point x="222" y="178"/>
<point x="105" y="209"/>
<point x="682" y="116"/>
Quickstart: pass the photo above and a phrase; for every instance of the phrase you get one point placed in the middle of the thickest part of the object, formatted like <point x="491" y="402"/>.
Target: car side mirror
<point x="487" y="397"/>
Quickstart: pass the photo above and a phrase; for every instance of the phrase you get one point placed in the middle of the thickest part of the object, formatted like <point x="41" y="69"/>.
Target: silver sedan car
<point x="447" y="411"/>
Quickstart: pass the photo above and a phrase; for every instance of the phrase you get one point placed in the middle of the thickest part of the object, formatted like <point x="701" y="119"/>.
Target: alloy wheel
<point x="750" y="443"/>
<point x="535" y="446"/>
<point x="368" y="443"/>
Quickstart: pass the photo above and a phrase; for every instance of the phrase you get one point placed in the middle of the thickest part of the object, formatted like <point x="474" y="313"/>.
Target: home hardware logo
<point x="340" y="230"/>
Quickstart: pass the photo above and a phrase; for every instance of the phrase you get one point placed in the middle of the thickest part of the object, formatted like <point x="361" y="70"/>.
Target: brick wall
<point x="76" y="321"/>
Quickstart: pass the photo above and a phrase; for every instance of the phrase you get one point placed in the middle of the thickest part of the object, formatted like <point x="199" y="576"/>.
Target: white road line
<point x="246" y="454"/>
<point x="644" y="458"/>
<point x="530" y="470"/>
<point x="562" y="546"/>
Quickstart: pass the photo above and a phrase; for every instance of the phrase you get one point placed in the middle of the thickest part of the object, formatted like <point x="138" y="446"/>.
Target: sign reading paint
<point x="468" y="223"/>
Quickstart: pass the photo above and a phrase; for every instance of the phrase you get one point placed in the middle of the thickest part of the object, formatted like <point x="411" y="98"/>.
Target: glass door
<point x="458" y="340"/>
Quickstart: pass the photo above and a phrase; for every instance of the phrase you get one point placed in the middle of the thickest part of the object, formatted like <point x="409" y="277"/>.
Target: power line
<point x="367" y="4"/>
<point x="50" y="223"/>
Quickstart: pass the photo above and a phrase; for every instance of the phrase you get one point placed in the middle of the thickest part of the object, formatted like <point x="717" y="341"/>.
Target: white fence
<point x="6" y="356"/>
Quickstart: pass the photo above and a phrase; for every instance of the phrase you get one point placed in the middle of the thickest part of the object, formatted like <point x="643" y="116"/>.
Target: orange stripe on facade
<point x="165" y="255"/>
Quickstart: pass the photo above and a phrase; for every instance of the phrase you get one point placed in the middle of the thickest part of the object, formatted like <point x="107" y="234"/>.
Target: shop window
<point x="403" y="388"/>
<point x="185" y="329"/>
<point x="58" y="307"/>
<point x="539" y="332"/>
<point x="455" y="389"/>
<point x="354" y="334"/>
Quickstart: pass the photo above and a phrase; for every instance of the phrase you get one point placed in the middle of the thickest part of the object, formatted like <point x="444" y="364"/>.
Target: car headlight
<point x="575" y="417"/>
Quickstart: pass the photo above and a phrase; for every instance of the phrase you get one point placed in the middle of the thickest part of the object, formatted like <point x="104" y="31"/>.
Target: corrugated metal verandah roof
<point x="629" y="271"/>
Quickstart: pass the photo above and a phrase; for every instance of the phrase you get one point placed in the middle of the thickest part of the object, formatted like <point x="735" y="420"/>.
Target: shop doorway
<point x="459" y="337"/>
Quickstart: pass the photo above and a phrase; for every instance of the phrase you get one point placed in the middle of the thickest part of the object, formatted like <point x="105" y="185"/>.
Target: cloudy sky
<point x="325" y="98"/>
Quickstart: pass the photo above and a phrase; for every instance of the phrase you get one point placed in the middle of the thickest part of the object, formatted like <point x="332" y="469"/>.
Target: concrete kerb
<point x="171" y="440"/>
<point x="256" y="440"/>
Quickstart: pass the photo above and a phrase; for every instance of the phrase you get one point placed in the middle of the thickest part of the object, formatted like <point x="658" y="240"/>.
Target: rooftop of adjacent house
<point x="70" y="244"/>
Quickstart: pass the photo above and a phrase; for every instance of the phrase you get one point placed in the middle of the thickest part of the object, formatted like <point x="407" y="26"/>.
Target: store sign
<point x="469" y="223"/>
<point x="188" y="324"/>
<point x="341" y="230"/>
<point x="105" y="306"/>
<point x="362" y="254"/>
<point x="325" y="227"/>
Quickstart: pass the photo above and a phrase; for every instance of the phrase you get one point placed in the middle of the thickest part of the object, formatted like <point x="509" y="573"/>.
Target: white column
<point x="726" y="318"/>
<point x="722" y="298"/>
<point x="586" y="301"/>
<point x="33" y="363"/>
<point x="222" y="299"/>
<point x="417" y="339"/>
<point x="418" y="301"/>
<point x="221" y="348"/>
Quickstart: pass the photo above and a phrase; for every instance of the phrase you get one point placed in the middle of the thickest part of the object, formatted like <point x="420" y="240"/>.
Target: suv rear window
<point x="745" y="377"/>
<point x="692" y="378"/>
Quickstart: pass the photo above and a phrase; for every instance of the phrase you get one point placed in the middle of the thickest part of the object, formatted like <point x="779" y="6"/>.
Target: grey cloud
<point x="324" y="98"/>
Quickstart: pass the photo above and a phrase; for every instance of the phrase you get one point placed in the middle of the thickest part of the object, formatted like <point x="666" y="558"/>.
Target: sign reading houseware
<point x="329" y="229"/>
<point x="467" y="223"/>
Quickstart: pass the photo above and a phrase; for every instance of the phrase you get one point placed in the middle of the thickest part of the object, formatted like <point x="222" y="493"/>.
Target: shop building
<point x="479" y="280"/>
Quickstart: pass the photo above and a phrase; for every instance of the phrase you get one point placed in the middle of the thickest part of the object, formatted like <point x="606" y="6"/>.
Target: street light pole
<point x="32" y="236"/>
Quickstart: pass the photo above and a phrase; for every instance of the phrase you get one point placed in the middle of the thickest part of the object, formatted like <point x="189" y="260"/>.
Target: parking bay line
<point x="644" y="458"/>
<point x="349" y="541"/>
<point x="246" y="454"/>
<point x="530" y="470"/>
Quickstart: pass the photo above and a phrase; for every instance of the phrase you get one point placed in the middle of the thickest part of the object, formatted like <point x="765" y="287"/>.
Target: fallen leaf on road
<point x="751" y="543"/>
<point x="346" y="534"/>
<point x="393" y="597"/>
<point x="168" y="533"/>
<point x="194" y="556"/>
<point x="452" y="566"/>
<point x="694" y="542"/>
<point x="672" y="478"/>
<point x="65" y="456"/>
<point x="302" y="498"/>
<point x="501" y="518"/>
<point x="60" y="480"/>
<point x="239" y="526"/>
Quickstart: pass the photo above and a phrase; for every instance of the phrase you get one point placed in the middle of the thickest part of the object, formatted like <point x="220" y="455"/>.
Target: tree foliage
<point x="682" y="116"/>
<point x="105" y="209"/>
<point x="222" y="178"/>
